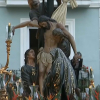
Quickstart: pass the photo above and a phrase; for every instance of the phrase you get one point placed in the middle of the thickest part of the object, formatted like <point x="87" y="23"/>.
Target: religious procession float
<point x="59" y="83"/>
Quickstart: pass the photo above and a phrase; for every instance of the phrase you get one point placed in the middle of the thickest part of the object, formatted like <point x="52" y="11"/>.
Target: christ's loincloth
<point x="45" y="58"/>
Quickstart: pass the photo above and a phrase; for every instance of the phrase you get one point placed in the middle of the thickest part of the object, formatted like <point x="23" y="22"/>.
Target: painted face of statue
<point x="33" y="3"/>
<point x="31" y="54"/>
<point x="45" y="25"/>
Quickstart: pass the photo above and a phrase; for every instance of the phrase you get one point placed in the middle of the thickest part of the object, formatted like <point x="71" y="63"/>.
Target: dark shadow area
<point x="33" y="41"/>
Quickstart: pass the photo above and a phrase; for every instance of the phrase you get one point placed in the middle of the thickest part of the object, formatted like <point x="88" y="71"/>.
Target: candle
<point x="90" y="90"/>
<point x="9" y="30"/>
<point x="6" y="97"/>
<point x="91" y="69"/>
<point x="20" y="80"/>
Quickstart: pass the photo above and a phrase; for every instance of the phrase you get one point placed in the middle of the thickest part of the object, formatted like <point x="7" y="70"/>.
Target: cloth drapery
<point x="60" y="13"/>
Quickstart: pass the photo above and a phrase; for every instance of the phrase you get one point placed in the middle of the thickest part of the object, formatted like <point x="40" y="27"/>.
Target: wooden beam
<point x="50" y="7"/>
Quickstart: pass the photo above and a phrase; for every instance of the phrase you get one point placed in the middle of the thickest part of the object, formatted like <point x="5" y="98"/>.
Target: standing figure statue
<point x="29" y="72"/>
<point x="77" y="65"/>
<point x="36" y="10"/>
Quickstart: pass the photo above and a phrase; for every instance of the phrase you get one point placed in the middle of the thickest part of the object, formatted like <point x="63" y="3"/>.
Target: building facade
<point x="83" y="23"/>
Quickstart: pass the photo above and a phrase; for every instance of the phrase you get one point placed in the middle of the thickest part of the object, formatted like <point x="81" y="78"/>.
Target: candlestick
<point x="3" y="69"/>
<point x="87" y="90"/>
<point x="90" y="90"/>
<point x="8" y="42"/>
<point x="9" y="32"/>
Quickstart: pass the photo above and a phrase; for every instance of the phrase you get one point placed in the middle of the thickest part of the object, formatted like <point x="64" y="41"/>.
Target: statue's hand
<point x="75" y="59"/>
<point x="13" y="30"/>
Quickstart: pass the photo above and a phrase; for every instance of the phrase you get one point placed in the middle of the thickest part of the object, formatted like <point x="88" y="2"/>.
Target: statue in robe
<point x="29" y="72"/>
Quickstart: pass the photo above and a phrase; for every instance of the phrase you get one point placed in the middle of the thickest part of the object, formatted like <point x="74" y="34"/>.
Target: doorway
<point x="33" y="42"/>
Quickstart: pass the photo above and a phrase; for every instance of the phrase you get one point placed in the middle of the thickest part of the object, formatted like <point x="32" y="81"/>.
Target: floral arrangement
<point x="96" y="93"/>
